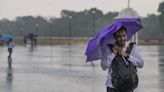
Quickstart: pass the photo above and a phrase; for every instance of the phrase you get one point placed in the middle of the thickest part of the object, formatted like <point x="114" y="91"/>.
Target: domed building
<point x="127" y="13"/>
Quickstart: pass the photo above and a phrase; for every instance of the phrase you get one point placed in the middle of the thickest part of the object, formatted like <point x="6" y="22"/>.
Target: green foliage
<point x="161" y="16"/>
<point x="151" y="27"/>
<point x="75" y="24"/>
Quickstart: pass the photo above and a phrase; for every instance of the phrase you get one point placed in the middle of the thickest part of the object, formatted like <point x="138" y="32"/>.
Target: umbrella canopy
<point x="105" y="36"/>
<point x="6" y="37"/>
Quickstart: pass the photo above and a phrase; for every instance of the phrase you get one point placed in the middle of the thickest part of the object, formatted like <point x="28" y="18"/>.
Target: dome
<point x="127" y="13"/>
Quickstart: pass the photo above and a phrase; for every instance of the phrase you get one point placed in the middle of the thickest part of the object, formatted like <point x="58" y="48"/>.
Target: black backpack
<point x="124" y="77"/>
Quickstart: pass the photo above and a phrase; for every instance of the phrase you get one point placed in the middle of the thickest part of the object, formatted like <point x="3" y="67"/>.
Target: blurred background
<point x="50" y="38"/>
<point x="52" y="19"/>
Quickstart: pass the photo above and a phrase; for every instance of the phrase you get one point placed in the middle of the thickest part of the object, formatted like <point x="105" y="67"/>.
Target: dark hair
<point x="121" y="28"/>
<point x="9" y="41"/>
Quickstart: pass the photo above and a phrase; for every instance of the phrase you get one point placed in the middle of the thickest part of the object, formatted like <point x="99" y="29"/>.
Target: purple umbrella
<point x="105" y="36"/>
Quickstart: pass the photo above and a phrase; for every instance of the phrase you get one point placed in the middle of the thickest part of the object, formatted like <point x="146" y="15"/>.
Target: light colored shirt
<point x="10" y="45"/>
<point x="108" y="56"/>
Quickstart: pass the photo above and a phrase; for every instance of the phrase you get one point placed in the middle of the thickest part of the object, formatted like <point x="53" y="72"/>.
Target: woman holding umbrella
<point x="111" y="46"/>
<point x="10" y="46"/>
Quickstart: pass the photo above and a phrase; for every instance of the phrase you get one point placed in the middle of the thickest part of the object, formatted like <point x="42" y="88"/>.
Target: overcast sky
<point x="47" y="8"/>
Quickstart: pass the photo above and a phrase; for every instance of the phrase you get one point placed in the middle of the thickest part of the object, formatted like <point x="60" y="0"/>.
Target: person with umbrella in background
<point x="117" y="55"/>
<point x="10" y="46"/>
<point x="10" y="43"/>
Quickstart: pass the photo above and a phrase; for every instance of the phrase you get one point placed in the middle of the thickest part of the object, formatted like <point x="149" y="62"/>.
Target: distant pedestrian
<point x="35" y="40"/>
<point x="25" y="40"/>
<point x="10" y="46"/>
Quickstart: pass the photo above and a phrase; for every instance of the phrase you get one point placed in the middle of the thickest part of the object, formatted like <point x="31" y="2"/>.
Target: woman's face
<point x="121" y="37"/>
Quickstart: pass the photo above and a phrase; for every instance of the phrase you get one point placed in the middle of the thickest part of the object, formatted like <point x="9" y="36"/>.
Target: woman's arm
<point x="107" y="57"/>
<point x="135" y="57"/>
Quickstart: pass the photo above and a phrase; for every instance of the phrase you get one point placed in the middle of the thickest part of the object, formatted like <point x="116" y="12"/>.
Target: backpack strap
<point x="129" y="49"/>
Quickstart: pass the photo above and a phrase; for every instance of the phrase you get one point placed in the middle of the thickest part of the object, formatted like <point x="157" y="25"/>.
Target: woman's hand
<point x="115" y="49"/>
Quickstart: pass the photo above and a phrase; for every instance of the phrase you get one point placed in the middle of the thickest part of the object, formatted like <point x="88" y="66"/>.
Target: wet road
<point x="62" y="68"/>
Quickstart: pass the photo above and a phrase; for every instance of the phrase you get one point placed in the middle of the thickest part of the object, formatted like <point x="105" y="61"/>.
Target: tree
<point x="161" y="16"/>
<point x="151" y="27"/>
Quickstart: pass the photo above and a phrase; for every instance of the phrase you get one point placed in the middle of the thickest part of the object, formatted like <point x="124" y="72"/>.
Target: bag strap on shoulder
<point x="129" y="49"/>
